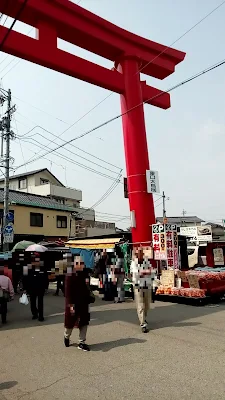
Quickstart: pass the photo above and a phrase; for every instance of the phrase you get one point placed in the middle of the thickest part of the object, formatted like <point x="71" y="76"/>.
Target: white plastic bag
<point x="24" y="299"/>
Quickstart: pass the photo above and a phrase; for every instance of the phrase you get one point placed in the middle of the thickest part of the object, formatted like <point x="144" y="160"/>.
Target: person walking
<point x="77" y="300"/>
<point x="119" y="275"/>
<point x="142" y="277"/>
<point x="60" y="285"/>
<point x="6" y="293"/>
<point x="35" y="282"/>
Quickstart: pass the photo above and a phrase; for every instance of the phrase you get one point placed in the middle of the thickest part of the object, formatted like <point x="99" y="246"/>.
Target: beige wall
<point x="32" y="180"/>
<point x="22" y="221"/>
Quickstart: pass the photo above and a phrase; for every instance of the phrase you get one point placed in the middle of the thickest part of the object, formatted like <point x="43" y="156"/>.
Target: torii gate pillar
<point x="136" y="153"/>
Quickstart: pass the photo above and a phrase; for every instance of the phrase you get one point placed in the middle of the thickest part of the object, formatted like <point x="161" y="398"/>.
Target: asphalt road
<point x="182" y="357"/>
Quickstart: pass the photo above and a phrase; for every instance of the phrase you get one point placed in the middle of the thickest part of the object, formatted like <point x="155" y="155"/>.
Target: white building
<point x="43" y="183"/>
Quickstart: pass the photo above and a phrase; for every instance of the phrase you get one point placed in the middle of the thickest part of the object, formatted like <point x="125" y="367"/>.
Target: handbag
<point x="4" y="294"/>
<point x="24" y="299"/>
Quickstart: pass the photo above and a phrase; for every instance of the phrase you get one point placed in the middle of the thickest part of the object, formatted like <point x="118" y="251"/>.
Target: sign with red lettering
<point x="159" y="241"/>
<point x="165" y="244"/>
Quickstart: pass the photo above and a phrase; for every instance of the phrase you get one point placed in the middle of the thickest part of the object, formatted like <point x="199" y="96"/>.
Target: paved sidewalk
<point x="181" y="358"/>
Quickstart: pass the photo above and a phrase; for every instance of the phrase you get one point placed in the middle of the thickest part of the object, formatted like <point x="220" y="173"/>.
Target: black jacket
<point x="35" y="282"/>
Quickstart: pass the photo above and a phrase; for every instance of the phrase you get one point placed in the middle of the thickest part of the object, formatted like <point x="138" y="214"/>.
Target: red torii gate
<point x="130" y="53"/>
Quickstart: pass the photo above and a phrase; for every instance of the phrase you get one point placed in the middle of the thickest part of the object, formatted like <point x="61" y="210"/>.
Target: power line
<point x="66" y="158"/>
<point x="184" y="34"/>
<point x="4" y="8"/>
<point x="14" y="58"/>
<point x="139" y="69"/>
<point x="84" y="151"/>
<point x="115" y="215"/>
<point x="78" y="120"/>
<point x="71" y="152"/>
<point x="131" y="109"/>
<point x="10" y="68"/>
<point x="106" y="194"/>
<point x="39" y="109"/>
<point x="50" y="161"/>
<point x="13" y="23"/>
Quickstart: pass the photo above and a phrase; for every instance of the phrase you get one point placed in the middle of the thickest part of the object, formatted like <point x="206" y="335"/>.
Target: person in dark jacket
<point x="35" y="282"/>
<point x="60" y="285"/>
<point x="77" y="292"/>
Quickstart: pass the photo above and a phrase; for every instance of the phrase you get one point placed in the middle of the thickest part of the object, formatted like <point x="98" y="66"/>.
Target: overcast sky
<point x="186" y="142"/>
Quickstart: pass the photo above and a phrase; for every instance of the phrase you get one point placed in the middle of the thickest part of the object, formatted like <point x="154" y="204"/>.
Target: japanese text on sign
<point x="152" y="179"/>
<point x="165" y="244"/>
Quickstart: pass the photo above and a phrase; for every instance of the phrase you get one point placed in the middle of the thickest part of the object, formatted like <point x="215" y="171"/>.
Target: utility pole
<point x="7" y="135"/>
<point x="183" y="214"/>
<point x="7" y="155"/>
<point x="164" y="205"/>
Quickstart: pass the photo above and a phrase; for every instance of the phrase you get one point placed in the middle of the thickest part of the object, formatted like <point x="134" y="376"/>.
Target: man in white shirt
<point x="142" y="276"/>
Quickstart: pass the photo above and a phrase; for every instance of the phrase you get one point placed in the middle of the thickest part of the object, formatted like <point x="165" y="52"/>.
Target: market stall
<point x="90" y="248"/>
<point x="200" y="285"/>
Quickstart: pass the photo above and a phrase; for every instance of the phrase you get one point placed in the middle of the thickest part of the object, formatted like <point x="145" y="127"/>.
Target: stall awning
<point x="93" y="243"/>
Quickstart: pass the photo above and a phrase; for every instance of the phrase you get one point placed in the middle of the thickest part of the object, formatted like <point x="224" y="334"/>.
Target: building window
<point x="60" y="201"/>
<point x="36" y="219"/>
<point x="61" y="222"/>
<point x="44" y="181"/>
<point x="23" y="183"/>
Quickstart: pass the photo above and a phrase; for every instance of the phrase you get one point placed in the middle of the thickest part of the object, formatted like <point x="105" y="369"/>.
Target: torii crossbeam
<point x="130" y="53"/>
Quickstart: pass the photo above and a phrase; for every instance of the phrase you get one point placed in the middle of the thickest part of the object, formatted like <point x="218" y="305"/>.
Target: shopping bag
<point x="24" y="299"/>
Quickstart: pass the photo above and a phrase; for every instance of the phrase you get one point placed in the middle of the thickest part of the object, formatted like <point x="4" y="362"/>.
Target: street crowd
<point x="75" y="285"/>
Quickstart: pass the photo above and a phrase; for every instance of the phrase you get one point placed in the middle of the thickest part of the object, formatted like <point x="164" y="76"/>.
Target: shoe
<point x="84" y="347"/>
<point x="144" y="329"/>
<point x="67" y="342"/>
<point x="35" y="317"/>
<point x="41" y="319"/>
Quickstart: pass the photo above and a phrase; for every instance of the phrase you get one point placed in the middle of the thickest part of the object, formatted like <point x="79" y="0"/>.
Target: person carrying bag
<point x="78" y="297"/>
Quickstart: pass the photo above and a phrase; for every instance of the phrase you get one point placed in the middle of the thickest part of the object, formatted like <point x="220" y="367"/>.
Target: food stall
<point x="199" y="286"/>
<point x="89" y="248"/>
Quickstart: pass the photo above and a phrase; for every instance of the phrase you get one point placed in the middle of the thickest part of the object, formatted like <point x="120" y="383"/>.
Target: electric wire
<point x="197" y="75"/>
<point x="182" y="83"/>
<point x="13" y="23"/>
<point x="66" y="158"/>
<point x="184" y="34"/>
<point x="71" y="152"/>
<point x="78" y="120"/>
<point x="216" y="8"/>
<point x="57" y="137"/>
<point x="106" y="194"/>
<point x="39" y="109"/>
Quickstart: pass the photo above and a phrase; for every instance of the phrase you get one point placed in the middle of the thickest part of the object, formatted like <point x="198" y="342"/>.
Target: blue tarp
<point x="87" y="255"/>
<point x="5" y="256"/>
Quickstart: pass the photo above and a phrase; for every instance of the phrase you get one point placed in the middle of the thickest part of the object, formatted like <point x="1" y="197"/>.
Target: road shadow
<point x="160" y="317"/>
<point x="19" y="316"/>
<point x="107" y="346"/>
<point x="102" y="312"/>
<point x="8" y="385"/>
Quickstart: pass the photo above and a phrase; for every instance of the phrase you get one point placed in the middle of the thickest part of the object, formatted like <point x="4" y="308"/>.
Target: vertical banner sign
<point x="218" y="256"/>
<point x="172" y="246"/>
<point x="175" y="250"/>
<point x="152" y="179"/>
<point x="125" y="188"/>
<point x="159" y="241"/>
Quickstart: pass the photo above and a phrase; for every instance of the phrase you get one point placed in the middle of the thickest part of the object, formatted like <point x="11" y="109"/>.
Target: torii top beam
<point x="70" y="22"/>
